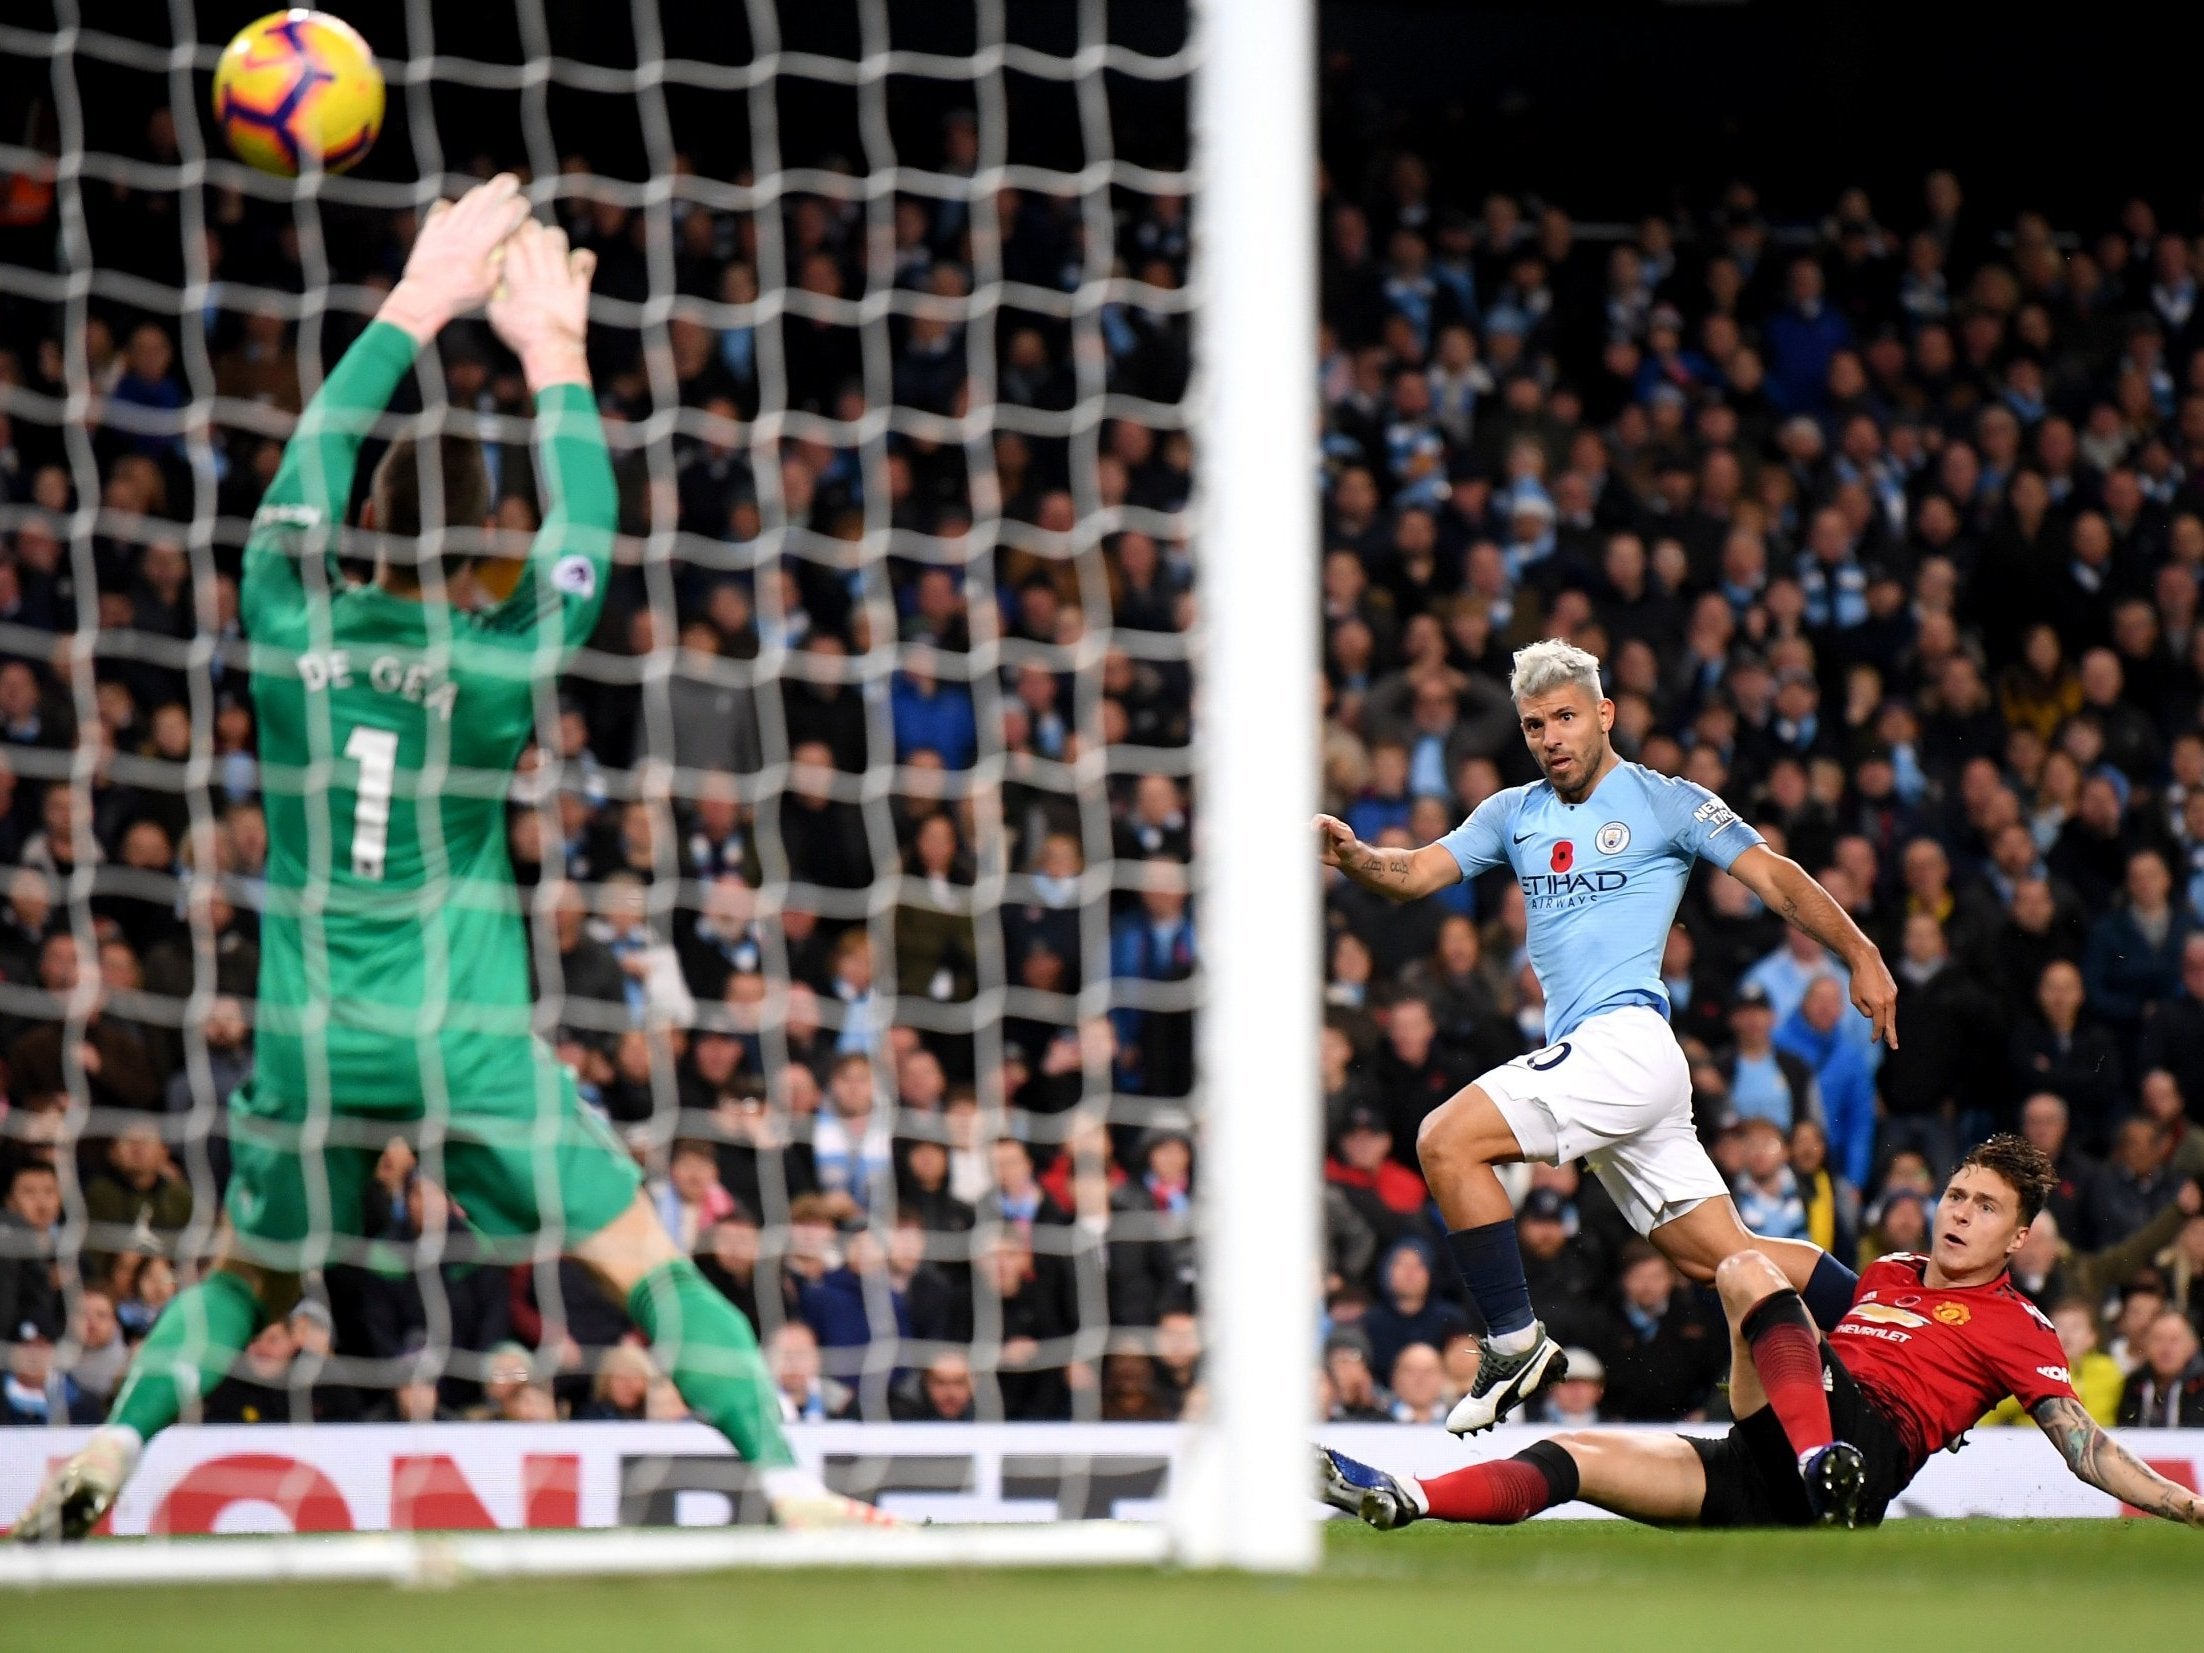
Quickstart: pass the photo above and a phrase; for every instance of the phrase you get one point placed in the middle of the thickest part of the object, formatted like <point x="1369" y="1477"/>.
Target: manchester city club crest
<point x="1612" y="838"/>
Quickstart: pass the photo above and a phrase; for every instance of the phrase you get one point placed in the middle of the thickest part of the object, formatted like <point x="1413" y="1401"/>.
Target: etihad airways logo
<point x="1570" y="889"/>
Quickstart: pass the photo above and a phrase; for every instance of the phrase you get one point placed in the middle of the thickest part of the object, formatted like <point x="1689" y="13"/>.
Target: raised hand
<point x="1396" y="874"/>
<point x="541" y="306"/>
<point x="1875" y="996"/>
<point x="454" y="263"/>
<point x="1333" y="838"/>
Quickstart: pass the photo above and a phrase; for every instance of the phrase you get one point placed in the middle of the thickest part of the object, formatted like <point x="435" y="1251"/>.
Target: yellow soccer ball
<point x="296" y="85"/>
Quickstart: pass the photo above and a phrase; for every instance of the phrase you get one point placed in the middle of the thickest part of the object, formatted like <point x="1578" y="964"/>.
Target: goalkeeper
<point x="394" y="982"/>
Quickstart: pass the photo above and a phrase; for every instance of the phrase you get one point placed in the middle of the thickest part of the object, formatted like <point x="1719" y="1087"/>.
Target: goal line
<point x="427" y="1559"/>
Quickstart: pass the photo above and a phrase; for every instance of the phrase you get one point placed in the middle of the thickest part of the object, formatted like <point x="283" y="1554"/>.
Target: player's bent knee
<point x="276" y="1291"/>
<point x="1736" y="1265"/>
<point x="1450" y="1138"/>
<point x="1433" y="1136"/>
<point x="1745" y="1277"/>
<point x="631" y="1246"/>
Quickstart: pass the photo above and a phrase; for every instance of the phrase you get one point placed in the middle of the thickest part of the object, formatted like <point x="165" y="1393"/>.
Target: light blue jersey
<point x="1600" y="879"/>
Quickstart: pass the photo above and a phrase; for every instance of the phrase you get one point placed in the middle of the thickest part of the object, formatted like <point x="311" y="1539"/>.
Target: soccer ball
<point x="297" y="85"/>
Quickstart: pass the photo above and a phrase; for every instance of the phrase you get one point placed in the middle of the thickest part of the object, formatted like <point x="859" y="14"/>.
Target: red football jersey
<point x="1935" y="1359"/>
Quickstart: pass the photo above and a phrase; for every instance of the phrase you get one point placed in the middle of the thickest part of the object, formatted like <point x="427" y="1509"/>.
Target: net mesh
<point x="881" y="747"/>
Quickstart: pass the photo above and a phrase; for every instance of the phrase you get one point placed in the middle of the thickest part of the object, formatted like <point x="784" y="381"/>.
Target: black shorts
<point x="1752" y="1473"/>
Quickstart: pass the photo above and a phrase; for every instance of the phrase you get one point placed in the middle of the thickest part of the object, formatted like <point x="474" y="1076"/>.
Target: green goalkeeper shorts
<point x="298" y="1182"/>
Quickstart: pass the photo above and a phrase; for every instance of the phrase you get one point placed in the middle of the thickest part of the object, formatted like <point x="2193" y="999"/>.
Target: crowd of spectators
<point x="1890" y="534"/>
<point x="777" y="976"/>
<point x="1887" y="528"/>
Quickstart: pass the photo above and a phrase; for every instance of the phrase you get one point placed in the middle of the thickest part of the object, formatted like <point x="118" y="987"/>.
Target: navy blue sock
<point x="1829" y="1292"/>
<point x="1491" y="1265"/>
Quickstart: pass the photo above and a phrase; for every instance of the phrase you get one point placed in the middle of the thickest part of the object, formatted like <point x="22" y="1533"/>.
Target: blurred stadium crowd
<point x="1887" y="528"/>
<point x="755" y="890"/>
<point x="1890" y="531"/>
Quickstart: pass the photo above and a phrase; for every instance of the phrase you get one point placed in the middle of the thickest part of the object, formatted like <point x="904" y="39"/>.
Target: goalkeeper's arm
<point x="541" y="312"/>
<point x="449" y="272"/>
<point x="305" y="502"/>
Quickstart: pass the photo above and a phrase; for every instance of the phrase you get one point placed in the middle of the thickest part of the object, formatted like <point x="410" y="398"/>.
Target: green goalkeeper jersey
<point x="394" y="971"/>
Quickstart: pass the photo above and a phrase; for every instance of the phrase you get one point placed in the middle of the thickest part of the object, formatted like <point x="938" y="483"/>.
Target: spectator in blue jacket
<point x="1155" y="943"/>
<point x="932" y="716"/>
<point x="1764" y="1082"/>
<point x="1408" y="1309"/>
<point x="148" y="382"/>
<point x="839" y="1305"/>
<point x="1385" y="802"/>
<point x="1814" y="1032"/>
<point x="2133" y="960"/>
<point x="1801" y="338"/>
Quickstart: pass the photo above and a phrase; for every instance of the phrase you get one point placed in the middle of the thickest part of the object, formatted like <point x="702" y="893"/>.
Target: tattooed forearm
<point x="1397" y="874"/>
<point x="2097" y="1458"/>
<point x="1387" y="871"/>
<point x="1801" y="901"/>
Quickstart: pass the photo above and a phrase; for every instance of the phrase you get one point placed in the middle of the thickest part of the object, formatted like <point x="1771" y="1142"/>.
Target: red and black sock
<point x="1786" y="1352"/>
<point x="1509" y="1490"/>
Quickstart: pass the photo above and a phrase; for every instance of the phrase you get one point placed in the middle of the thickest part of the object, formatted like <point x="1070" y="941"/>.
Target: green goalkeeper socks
<point x="190" y="1349"/>
<point x="703" y="1343"/>
<point x="700" y="1340"/>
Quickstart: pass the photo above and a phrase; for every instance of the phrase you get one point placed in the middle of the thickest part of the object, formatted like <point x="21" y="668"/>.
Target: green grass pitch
<point x="2007" y="1585"/>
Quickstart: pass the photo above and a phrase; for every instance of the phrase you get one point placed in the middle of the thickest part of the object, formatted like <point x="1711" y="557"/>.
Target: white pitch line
<point x="440" y="1558"/>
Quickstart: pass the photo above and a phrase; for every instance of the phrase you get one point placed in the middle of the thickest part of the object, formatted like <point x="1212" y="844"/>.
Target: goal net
<point x="875" y="847"/>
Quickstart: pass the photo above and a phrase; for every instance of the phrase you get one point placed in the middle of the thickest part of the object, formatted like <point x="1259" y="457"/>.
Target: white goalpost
<point x="1247" y="1503"/>
<point x="1227" y="1487"/>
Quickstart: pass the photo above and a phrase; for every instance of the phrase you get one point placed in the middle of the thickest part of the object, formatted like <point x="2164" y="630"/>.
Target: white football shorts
<point x="1615" y="1093"/>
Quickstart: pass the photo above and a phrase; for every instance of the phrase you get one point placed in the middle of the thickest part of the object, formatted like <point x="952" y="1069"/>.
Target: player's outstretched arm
<point x="450" y="271"/>
<point x="2097" y="1458"/>
<point x="1397" y="874"/>
<point x="541" y="312"/>
<point x="1790" y="892"/>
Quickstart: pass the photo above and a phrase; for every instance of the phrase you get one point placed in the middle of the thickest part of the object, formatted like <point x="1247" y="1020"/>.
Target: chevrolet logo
<point x="1883" y="1314"/>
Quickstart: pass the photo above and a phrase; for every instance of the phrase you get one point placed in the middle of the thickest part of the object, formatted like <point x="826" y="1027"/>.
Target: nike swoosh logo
<point x="1522" y="836"/>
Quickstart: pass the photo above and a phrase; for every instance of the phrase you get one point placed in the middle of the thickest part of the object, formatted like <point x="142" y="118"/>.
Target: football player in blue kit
<point x="1602" y="849"/>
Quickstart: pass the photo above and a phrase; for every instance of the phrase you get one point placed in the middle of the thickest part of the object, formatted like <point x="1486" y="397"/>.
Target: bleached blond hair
<point x="1550" y="664"/>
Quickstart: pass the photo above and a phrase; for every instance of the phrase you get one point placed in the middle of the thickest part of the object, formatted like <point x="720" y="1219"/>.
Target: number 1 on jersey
<point x="376" y="752"/>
